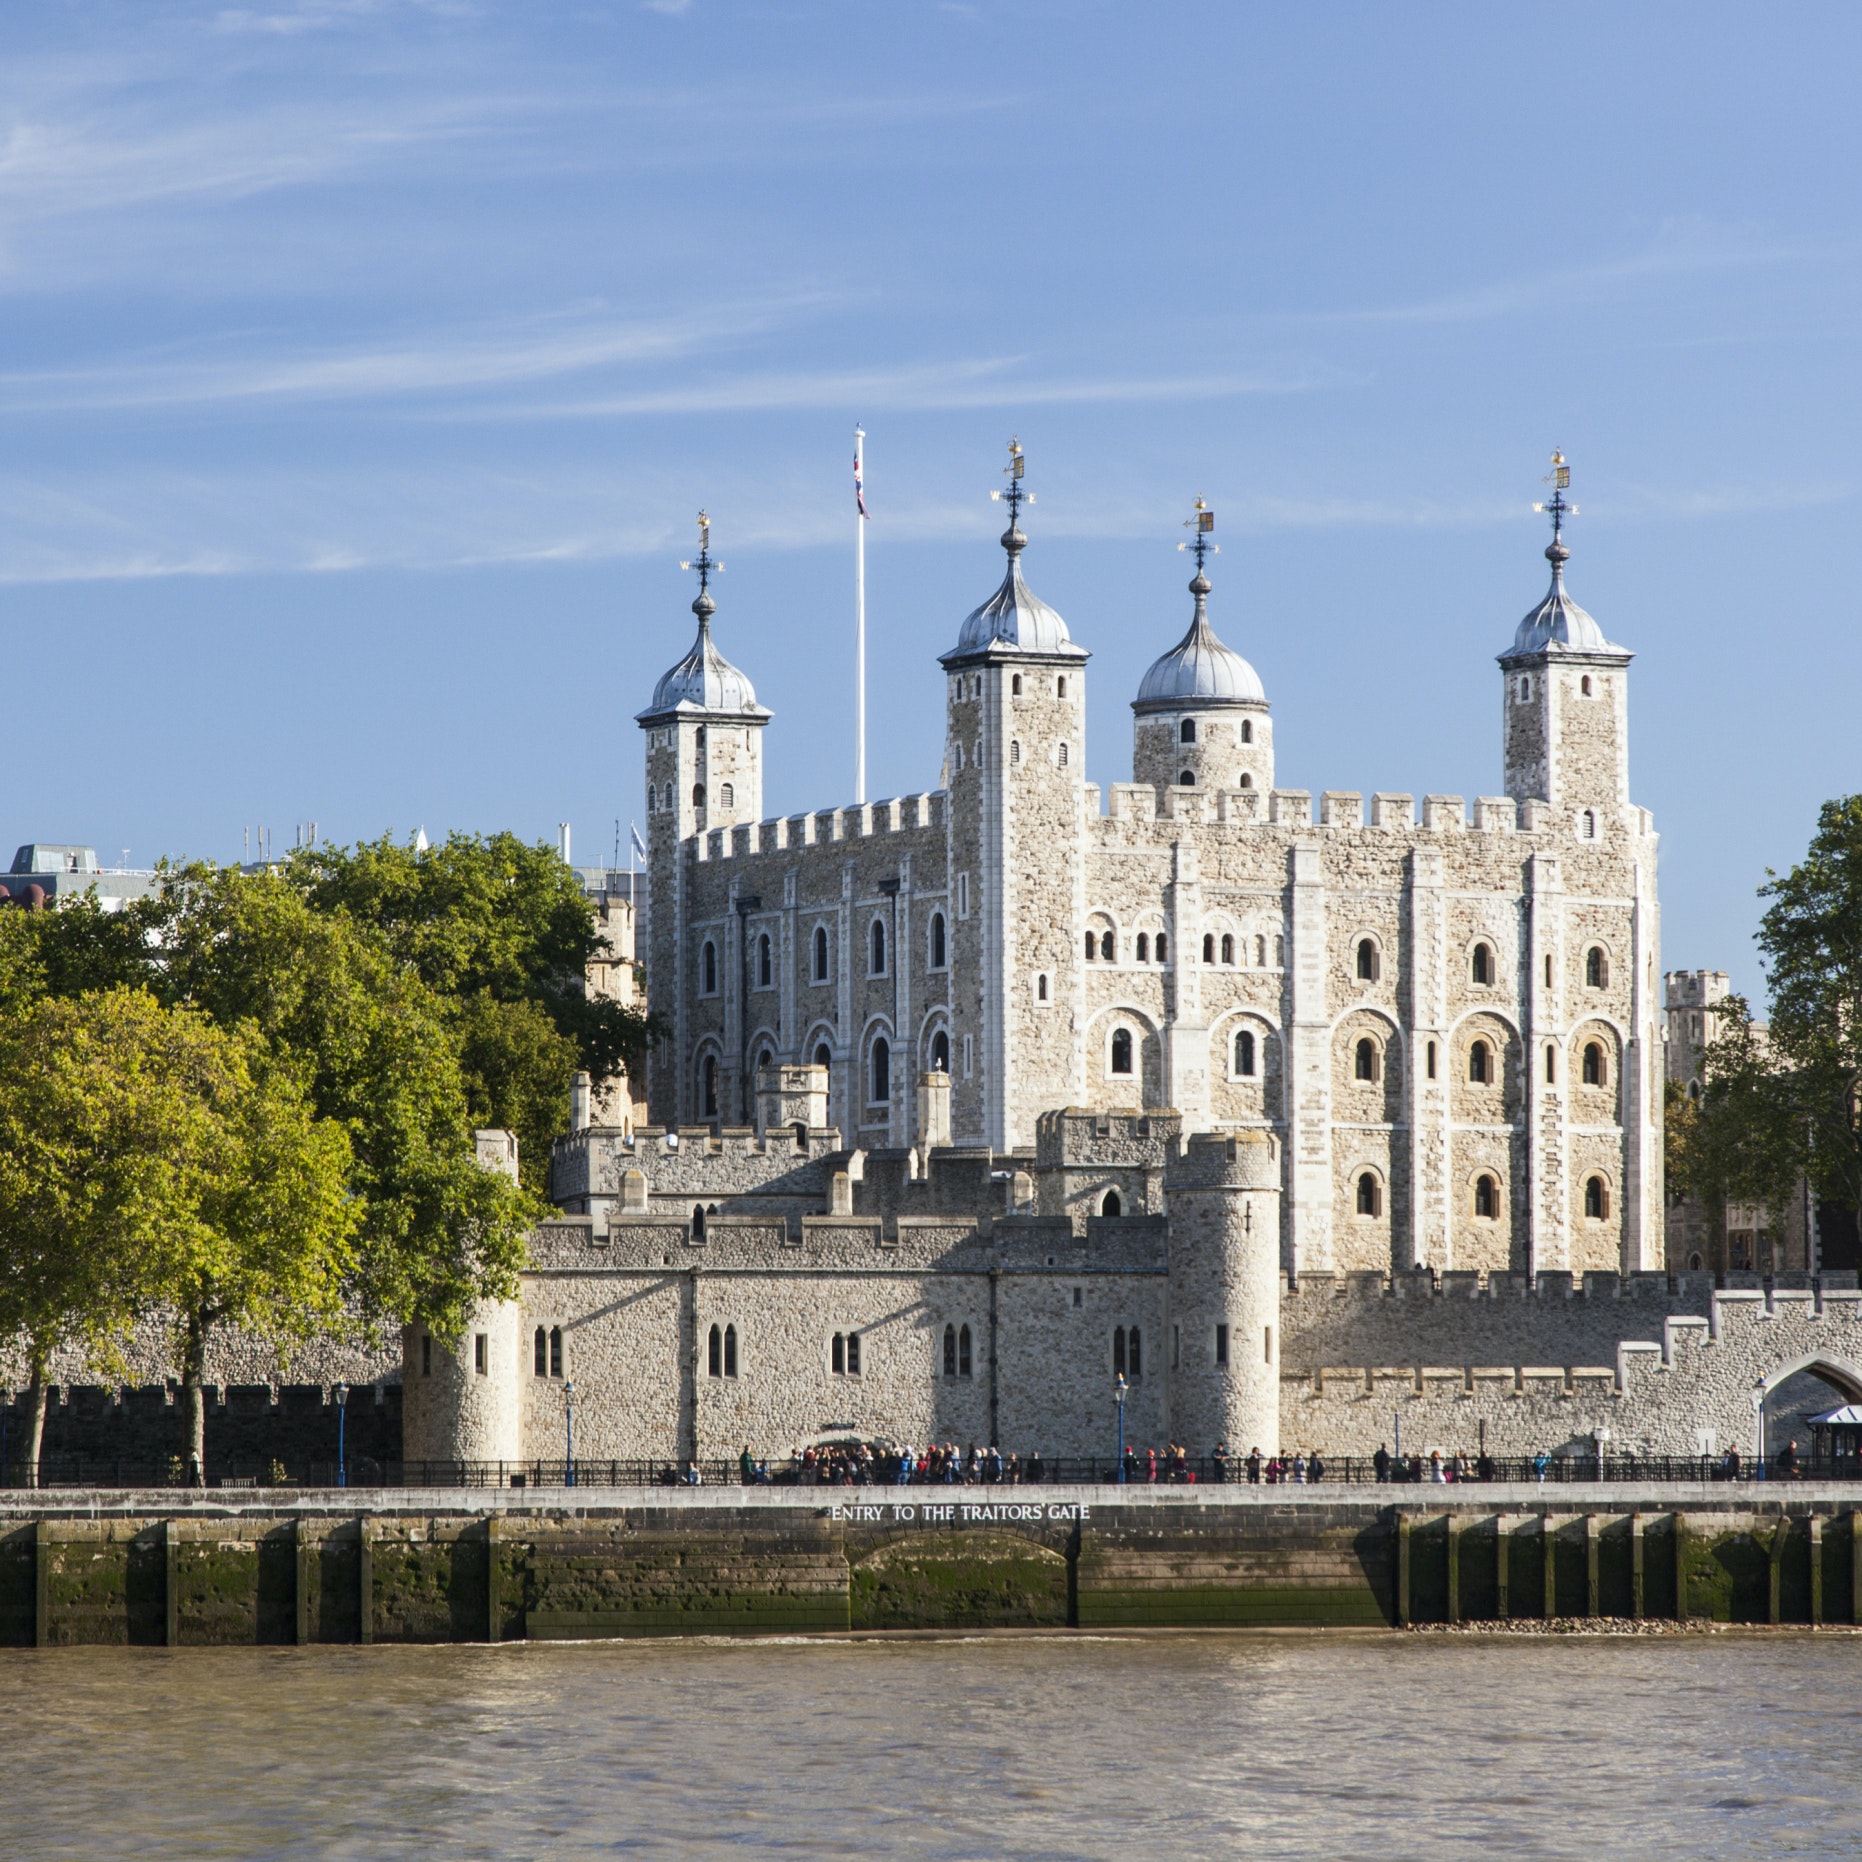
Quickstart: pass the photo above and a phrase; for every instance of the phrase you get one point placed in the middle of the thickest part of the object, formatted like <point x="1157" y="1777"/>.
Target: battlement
<point x="784" y="833"/>
<point x="1694" y="989"/>
<point x="1076" y="1135"/>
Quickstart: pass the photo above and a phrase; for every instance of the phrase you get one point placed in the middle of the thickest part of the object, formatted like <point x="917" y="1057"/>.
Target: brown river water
<point x="1204" y="1745"/>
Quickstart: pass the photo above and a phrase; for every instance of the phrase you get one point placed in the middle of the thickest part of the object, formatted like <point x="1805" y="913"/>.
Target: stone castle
<point x="971" y="1102"/>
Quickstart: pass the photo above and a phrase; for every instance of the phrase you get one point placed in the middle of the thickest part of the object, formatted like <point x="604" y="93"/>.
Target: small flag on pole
<point x="640" y="846"/>
<point x="859" y="489"/>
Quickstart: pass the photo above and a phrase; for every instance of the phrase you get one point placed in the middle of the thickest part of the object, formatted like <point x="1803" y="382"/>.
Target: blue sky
<point x="362" y="366"/>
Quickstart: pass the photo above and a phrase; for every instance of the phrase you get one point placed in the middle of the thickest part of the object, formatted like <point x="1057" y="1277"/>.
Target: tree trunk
<point x="35" y="1422"/>
<point x="194" y="1407"/>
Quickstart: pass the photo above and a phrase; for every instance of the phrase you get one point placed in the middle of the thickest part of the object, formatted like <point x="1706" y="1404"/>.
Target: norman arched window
<point x="1280" y="953"/>
<point x="1596" y="1198"/>
<point x="1584" y="685"/>
<point x="823" y="1057"/>
<point x="1480" y="1064"/>
<point x="698" y="795"/>
<point x="1244" y="1055"/>
<point x="709" y="1086"/>
<point x="821" y="953"/>
<point x="1108" y="947"/>
<point x="1040" y="986"/>
<point x="714" y="1357"/>
<point x="555" y="1351"/>
<point x="1134" y="1353"/>
<point x="1186" y="731"/>
<point x="730" y="1351"/>
<point x="1144" y="948"/>
<point x="853" y="1354"/>
<point x="708" y="968"/>
<point x="1187" y="780"/>
<point x="882" y="1071"/>
<point x="937" y="940"/>
<point x="1015" y="749"/>
<point x="1163" y="948"/>
<point x="1247" y="781"/>
<point x="1208" y="947"/>
<point x="1060" y="686"/>
<point x="1247" y="730"/>
<point x="837" y="1354"/>
<point x="1486" y="1198"/>
<point x="940" y="1052"/>
<point x="1121" y="1050"/>
<point x="727" y="796"/>
<point x="542" y="1352"/>
<point x="1092" y="947"/>
<point x="1015" y="685"/>
<point x="1118" y="1351"/>
<point x="879" y="947"/>
<point x="698" y="1223"/>
<point x="1367" y="960"/>
<point x="1483" y="963"/>
<point x="1595" y="1073"/>
<point x="1063" y="754"/>
<point x="950" y="1351"/>
<point x="963" y="1351"/>
<point x="1551" y="1066"/>
<point x="1228" y="947"/>
<point x="1365" y="1061"/>
<point x="1370" y="1200"/>
<point x="764" y="964"/>
<point x="1589" y="826"/>
<point x="1596" y="968"/>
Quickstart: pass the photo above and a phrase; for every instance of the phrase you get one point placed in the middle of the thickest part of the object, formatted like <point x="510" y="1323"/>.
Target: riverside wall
<point x="490" y="1565"/>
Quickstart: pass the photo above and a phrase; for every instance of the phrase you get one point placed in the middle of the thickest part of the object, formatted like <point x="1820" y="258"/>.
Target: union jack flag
<point x="859" y="490"/>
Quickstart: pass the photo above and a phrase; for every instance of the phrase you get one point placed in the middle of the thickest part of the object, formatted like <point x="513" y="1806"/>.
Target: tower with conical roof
<point x="1015" y="742"/>
<point x="704" y="751"/>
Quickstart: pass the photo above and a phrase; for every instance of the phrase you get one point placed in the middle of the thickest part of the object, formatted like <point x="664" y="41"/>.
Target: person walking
<point x="1253" y="1465"/>
<point x="1380" y="1463"/>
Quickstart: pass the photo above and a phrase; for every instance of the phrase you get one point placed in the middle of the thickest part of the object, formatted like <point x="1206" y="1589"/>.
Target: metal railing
<point x="884" y="1469"/>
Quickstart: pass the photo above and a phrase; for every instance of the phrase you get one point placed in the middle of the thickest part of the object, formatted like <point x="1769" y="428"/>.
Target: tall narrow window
<point x="1431" y="1060"/>
<point x="1551" y="1066"/>
<point x="1480" y="1064"/>
<point x="708" y="962"/>
<point x="1163" y="948"/>
<point x="1584" y="685"/>
<point x="1280" y="953"/>
<point x="1593" y="1064"/>
<point x="1108" y="947"/>
<point x="839" y="1355"/>
<point x="479" y="1353"/>
<point x="1221" y="1344"/>
<point x="1483" y="964"/>
<point x="1015" y="686"/>
<point x="823" y="1057"/>
<point x="1118" y="1351"/>
<point x="950" y="1351"/>
<point x="1596" y="1199"/>
<point x="821" y="953"/>
<point x="879" y="947"/>
<point x="426" y="1354"/>
<point x="1595" y="973"/>
<point x="1208" y="947"/>
<point x="1367" y="960"/>
<point x="714" y="1355"/>
<point x="698" y="1225"/>
<point x="1133" y="1352"/>
<point x="1486" y="1197"/>
<point x="727" y="796"/>
<point x="1144" y="947"/>
<point x="698" y="795"/>
<point x="1186" y="731"/>
<point x="882" y="1071"/>
<point x="1064" y="754"/>
<point x="1368" y="1194"/>
<point x="853" y="1354"/>
<point x="1244" y="1055"/>
<point x="1121" y="1050"/>
<point x="1260" y="952"/>
<point x="1060" y="686"/>
<point x="963" y="1351"/>
<point x="709" y="1092"/>
<point x="555" y="1351"/>
<point x="1247" y="730"/>
<point x="940" y="1052"/>
<point x="764" y="964"/>
<point x="1365" y="1062"/>
<point x="1015" y="749"/>
<point x="730" y="1351"/>
<point x="1111" y="1204"/>
<point x="1590" y="824"/>
<point x="1092" y="947"/>
<point x="937" y="940"/>
<point x="541" y="1352"/>
<point x="1040" y="987"/>
<point x="963" y="895"/>
<point x="1228" y="947"/>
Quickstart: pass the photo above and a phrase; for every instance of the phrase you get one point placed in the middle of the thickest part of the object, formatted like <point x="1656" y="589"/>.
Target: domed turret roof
<point x="1015" y="616"/>
<point x="704" y="681"/>
<point x="1199" y="669"/>
<point x="1558" y="621"/>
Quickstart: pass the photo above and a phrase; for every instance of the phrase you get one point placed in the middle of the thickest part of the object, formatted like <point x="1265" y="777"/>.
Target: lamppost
<point x="342" y="1413"/>
<point x="1758" y="1424"/>
<point x="568" y="1431"/>
<point x="1603" y="1436"/>
<point x="1120" y="1389"/>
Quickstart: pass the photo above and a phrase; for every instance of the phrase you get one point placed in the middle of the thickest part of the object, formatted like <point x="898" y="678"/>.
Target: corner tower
<point x="1015" y="740"/>
<point x="704" y="749"/>
<point x="1565" y="710"/>
<point x="1201" y="714"/>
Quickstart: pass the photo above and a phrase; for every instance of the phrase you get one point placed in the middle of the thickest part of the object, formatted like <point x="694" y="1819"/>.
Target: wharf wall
<point x="331" y="1567"/>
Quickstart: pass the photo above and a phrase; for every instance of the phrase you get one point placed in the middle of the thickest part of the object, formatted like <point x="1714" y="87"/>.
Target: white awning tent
<point x="1848" y="1417"/>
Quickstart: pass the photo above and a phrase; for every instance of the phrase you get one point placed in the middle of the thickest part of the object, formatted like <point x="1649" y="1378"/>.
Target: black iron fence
<point x="885" y="1468"/>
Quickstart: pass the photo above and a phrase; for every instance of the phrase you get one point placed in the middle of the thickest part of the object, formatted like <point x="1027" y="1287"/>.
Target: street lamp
<point x="1603" y="1436"/>
<point x="1120" y="1390"/>
<point x="568" y="1431"/>
<point x="1758" y="1423"/>
<point x="342" y="1413"/>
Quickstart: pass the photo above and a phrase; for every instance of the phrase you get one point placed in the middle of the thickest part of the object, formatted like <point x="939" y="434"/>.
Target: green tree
<point x="149" y="1159"/>
<point x="501" y="930"/>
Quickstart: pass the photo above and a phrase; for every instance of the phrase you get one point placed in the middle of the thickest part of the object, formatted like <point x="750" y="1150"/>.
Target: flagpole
<point x="859" y="626"/>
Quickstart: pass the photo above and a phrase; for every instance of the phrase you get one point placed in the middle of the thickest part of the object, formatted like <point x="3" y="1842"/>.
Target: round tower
<point x="1223" y="1196"/>
<point x="1201" y="713"/>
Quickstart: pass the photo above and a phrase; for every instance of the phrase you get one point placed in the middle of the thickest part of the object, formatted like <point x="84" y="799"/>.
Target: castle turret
<point x="1016" y="761"/>
<point x="1224" y="1205"/>
<point x="1201" y="713"/>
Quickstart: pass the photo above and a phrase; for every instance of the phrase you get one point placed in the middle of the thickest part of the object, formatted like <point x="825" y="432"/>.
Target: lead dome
<point x="1558" y="621"/>
<point x="704" y="680"/>
<point x="1199" y="670"/>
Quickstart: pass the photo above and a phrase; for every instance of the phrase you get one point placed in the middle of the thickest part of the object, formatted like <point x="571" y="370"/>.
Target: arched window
<point x="1134" y="1353"/>
<point x="1092" y="947"/>
<point x="1064" y="754"/>
<point x="1593" y="1064"/>
<point x="714" y="1361"/>
<point x="853" y="1354"/>
<point x="1247" y="781"/>
<point x="1486" y="1197"/>
<point x="1483" y="964"/>
<point x="940" y="1052"/>
<point x="764" y="967"/>
<point x="1015" y="685"/>
<point x="1431" y="1060"/>
<point x="1121" y="1050"/>
<point x="1060" y="686"/>
<point x="1118" y="1351"/>
<point x="1228" y="947"/>
<point x="542" y="1352"/>
<point x="1040" y="986"/>
<point x="1110" y="1204"/>
<point x="950" y="1351"/>
<point x="837" y="1354"/>
<point x="730" y="1351"/>
<point x="1584" y="685"/>
<point x="1596" y="971"/>
<point x="1247" y="730"/>
<point x="1551" y="1066"/>
<point x="963" y="1351"/>
<point x="652" y="798"/>
<point x="709" y="1090"/>
<point x="1596" y="1198"/>
<point x="879" y="947"/>
<point x="1163" y="948"/>
<point x="821" y="953"/>
<point x="698" y="795"/>
<point x="1186" y="731"/>
<point x="1144" y="948"/>
<point x="764" y="1060"/>
<point x="823" y="1058"/>
<point x="727" y="796"/>
<point x="1015" y="749"/>
<point x="1260" y="952"/>
<point x="937" y="940"/>
<point x="1108" y="947"/>
<point x="1480" y="1064"/>
<point x="1365" y="1065"/>
<point x="1208" y="947"/>
<point x="698" y="1223"/>
<point x="882" y="1071"/>
<point x="1244" y="1055"/>
<point x="1368" y="1195"/>
<point x="555" y="1351"/>
<point x="1280" y="953"/>
<point x="1187" y="780"/>
<point x="708" y="968"/>
<point x="1590" y="824"/>
<point x="1367" y="960"/>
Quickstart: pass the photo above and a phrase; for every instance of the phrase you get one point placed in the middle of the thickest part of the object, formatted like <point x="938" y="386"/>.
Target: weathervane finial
<point x="1012" y="539"/>
<point x="707" y="566"/>
<point x="1200" y="523"/>
<point x="1557" y="507"/>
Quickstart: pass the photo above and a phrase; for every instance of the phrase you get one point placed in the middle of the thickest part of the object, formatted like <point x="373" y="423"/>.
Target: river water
<point x="1171" y="1746"/>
